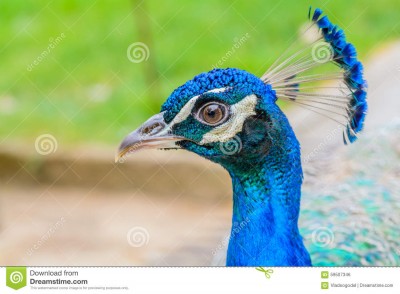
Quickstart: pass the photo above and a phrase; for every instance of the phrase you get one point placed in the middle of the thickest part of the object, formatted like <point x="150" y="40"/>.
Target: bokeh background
<point x="77" y="76"/>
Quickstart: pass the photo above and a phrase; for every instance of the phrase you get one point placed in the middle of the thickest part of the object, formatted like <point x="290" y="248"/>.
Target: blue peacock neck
<point x="266" y="204"/>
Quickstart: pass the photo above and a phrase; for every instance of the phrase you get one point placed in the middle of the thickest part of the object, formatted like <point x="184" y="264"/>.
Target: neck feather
<point x="266" y="203"/>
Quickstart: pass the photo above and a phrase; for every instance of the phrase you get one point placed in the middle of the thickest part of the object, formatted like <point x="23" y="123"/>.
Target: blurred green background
<point x="85" y="89"/>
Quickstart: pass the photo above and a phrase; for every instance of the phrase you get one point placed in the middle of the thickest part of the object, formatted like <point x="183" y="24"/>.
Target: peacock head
<point x="231" y="117"/>
<point x="226" y="115"/>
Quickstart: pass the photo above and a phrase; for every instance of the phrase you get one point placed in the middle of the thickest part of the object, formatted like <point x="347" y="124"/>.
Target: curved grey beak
<point x="154" y="133"/>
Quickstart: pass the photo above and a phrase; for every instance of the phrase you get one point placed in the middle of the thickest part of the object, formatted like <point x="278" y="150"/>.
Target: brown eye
<point x="213" y="113"/>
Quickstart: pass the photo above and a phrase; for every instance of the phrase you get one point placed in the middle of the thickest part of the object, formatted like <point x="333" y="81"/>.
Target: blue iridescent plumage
<point x="214" y="79"/>
<point x="231" y="107"/>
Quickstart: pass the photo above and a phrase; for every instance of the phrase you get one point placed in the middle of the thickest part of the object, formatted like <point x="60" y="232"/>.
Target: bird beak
<point x="155" y="133"/>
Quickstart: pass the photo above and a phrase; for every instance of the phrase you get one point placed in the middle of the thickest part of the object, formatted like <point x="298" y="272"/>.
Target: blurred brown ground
<point x="58" y="212"/>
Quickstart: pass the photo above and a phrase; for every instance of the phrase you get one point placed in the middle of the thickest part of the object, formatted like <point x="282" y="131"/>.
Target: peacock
<point x="231" y="117"/>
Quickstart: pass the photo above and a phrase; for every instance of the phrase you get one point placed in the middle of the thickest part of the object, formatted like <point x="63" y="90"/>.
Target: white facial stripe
<point x="217" y="90"/>
<point x="239" y="113"/>
<point x="187" y="108"/>
<point x="185" y="111"/>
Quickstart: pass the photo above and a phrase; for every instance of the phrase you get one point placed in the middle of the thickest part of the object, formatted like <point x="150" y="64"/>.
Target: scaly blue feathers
<point x="214" y="79"/>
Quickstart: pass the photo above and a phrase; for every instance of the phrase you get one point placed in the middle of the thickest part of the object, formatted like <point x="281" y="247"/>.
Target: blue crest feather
<point x="345" y="55"/>
<point x="289" y="77"/>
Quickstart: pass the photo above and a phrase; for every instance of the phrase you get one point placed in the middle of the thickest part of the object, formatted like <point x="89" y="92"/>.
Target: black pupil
<point x="213" y="113"/>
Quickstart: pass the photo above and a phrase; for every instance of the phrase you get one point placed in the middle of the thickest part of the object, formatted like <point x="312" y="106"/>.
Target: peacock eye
<point x="213" y="113"/>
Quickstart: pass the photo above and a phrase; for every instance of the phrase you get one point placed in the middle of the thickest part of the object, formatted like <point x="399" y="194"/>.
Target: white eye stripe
<point x="239" y="113"/>
<point x="218" y="90"/>
<point x="188" y="107"/>
<point x="185" y="111"/>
